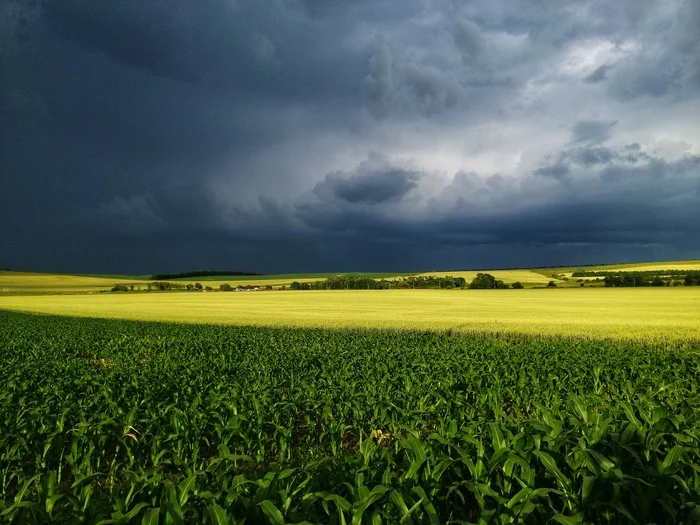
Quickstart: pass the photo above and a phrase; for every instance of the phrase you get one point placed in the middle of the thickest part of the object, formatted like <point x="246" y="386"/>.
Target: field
<point x="643" y="267"/>
<point x="692" y="265"/>
<point x="526" y="277"/>
<point x="575" y="406"/>
<point x="27" y="283"/>
<point x="668" y="313"/>
<point x="13" y="283"/>
<point x="105" y="421"/>
<point x="47" y="283"/>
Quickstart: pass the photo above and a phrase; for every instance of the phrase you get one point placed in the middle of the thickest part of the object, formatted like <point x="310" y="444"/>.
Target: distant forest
<point x="198" y="273"/>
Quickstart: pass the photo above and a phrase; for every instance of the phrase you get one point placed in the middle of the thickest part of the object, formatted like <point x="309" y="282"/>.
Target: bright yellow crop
<point x="626" y="313"/>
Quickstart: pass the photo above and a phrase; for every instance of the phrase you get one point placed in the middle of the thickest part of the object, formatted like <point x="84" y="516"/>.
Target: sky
<point x="328" y="135"/>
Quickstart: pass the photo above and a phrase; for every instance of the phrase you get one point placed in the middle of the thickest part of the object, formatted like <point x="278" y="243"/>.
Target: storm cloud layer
<point x="309" y="135"/>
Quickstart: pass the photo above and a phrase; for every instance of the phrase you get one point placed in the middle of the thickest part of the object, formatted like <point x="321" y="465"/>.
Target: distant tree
<point x="198" y="286"/>
<point x="120" y="288"/>
<point x="208" y="288"/>
<point x="226" y="287"/>
<point x="551" y="284"/>
<point x="692" y="279"/>
<point x="518" y="285"/>
<point x="132" y="287"/>
<point x="486" y="281"/>
<point x="658" y="281"/>
<point x="268" y="288"/>
<point x="582" y="284"/>
<point x="190" y="286"/>
<point x="295" y="286"/>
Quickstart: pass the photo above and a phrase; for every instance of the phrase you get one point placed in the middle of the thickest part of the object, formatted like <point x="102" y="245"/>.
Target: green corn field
<point x="107" y="421"/>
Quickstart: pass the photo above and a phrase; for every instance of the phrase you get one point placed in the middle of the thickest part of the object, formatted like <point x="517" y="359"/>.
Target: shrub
<point x="518" y="285"/>
<point x="226" y="287"/>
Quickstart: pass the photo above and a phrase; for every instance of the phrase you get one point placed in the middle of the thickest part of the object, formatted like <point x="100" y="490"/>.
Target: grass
<point x="632" y="314"/>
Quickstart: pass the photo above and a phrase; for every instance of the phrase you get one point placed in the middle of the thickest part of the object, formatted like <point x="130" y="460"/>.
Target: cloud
<point x="592" y="131"/>
<point x="557" y="171"/>
<point x="368" y="188"/>
<point x="261" y="46"/>
<point x="598" y="75"/>
<point x="133" y="214"/>
<point x="468" y="39"/>
<point x="306" y="136"/>
<point x="592" y="156"/>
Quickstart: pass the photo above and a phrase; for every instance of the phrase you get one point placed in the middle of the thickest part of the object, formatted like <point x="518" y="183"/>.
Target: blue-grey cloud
<point x="598" y="75"/>
<point x="591" y="131"/>
<point x="309" y="135"/>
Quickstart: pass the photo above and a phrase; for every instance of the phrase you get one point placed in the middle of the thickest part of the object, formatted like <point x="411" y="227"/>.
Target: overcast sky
<point x="338" y="135"/>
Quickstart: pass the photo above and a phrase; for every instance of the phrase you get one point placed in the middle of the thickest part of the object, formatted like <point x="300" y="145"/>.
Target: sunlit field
<point x="672" y="313"/>
<point x="28" y="282"/>
<point x="526" y="277"/>
<point x="47" y="283"/>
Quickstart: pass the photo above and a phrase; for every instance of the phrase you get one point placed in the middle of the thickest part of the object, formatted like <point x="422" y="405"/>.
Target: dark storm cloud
<point x="370" y="188"/>
<point x="616" y="209"/>
<point x="167" y="135"/>
<point x="663" y="67"/>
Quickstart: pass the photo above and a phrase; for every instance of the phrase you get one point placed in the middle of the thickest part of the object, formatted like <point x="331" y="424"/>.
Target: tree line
<point x="481" y="281"/>
<point x="162" y="286"/>
<point x="640" y="279"/>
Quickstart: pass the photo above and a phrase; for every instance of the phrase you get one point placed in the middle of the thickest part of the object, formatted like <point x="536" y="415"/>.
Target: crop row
<point x="126" y="422"/>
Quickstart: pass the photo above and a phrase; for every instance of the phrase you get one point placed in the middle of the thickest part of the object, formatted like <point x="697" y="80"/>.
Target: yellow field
<point x="665" y="313"/>
<point x="46" y="283"/>
<point x="26" y="282"/>
<point x="526" y="277"/>
<point x="646" y="267"/>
